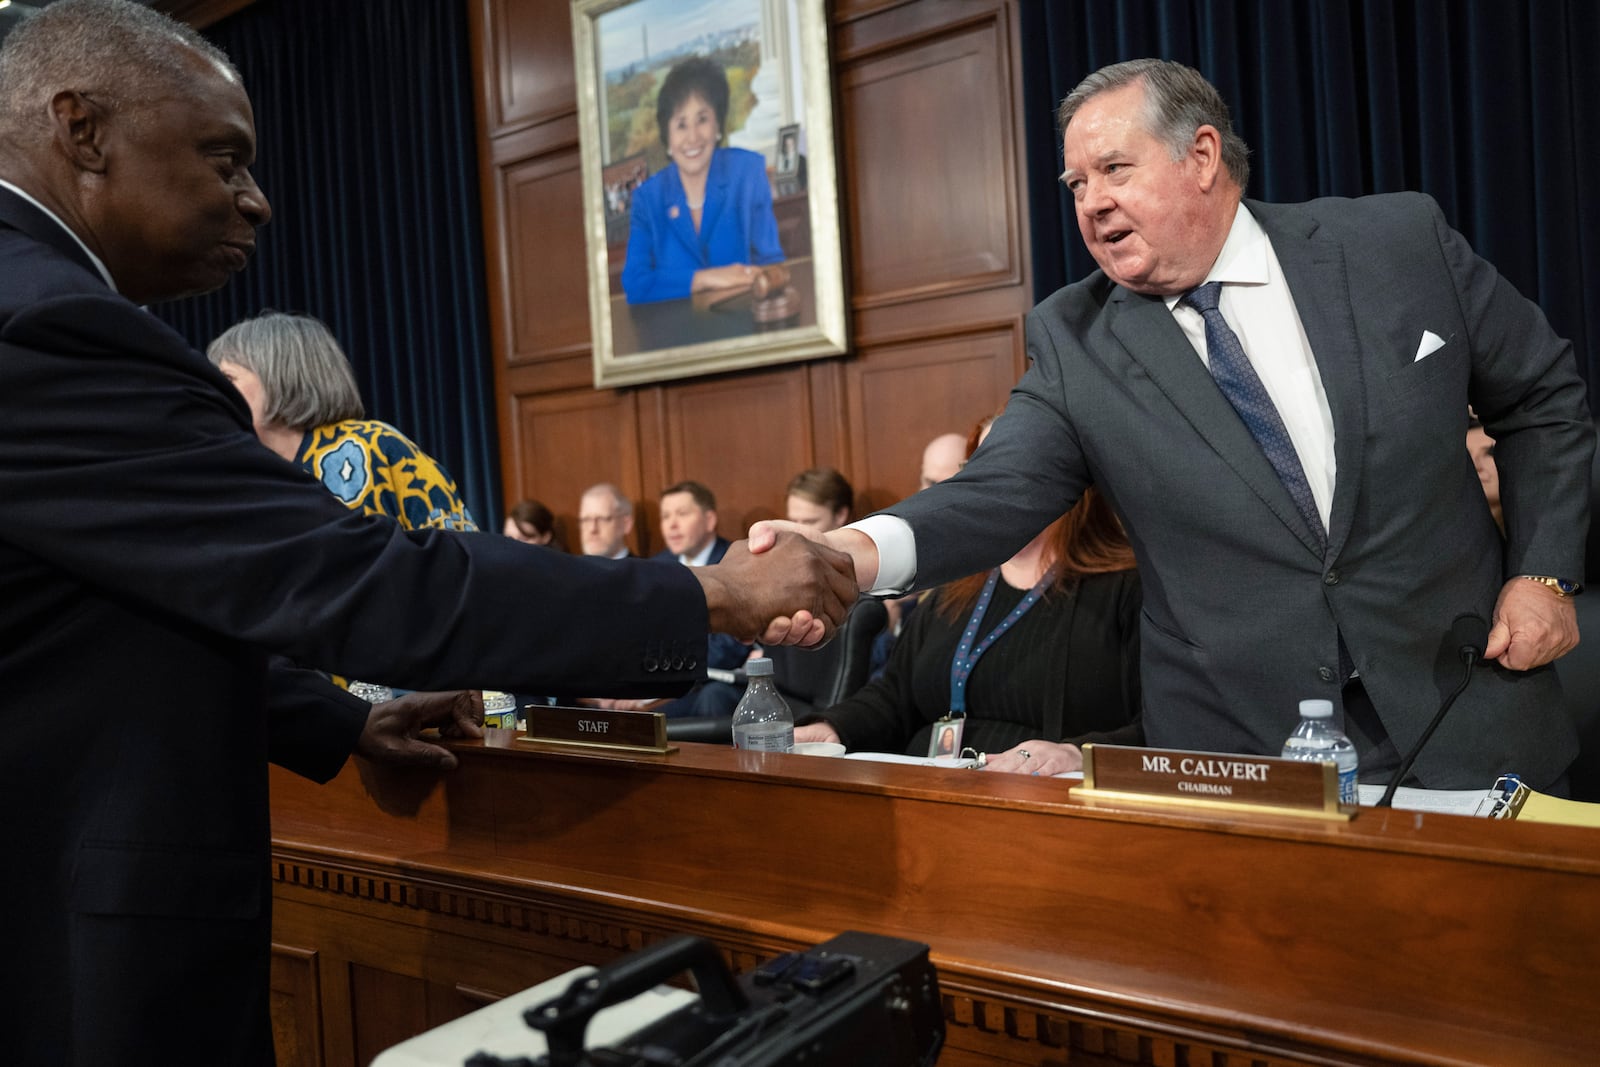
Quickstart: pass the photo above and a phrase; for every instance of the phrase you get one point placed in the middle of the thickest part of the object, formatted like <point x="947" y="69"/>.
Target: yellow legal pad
<point x="1542" y="808"/>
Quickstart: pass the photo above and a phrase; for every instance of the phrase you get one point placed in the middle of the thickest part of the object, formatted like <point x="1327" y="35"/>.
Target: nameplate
<point x="1210" y="780"/>
<point x="631" y="731"/>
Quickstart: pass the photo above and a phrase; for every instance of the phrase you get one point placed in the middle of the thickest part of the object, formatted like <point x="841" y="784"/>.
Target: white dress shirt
<point x="702" y="557"/>
<point x="1259" y="307"/>
<point x="98" y="265"/>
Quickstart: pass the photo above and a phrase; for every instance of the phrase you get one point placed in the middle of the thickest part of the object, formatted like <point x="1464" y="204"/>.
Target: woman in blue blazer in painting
<point x="704" y="221"/>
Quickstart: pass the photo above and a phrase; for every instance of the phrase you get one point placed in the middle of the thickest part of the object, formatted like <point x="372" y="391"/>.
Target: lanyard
<point x="966" y="656"/>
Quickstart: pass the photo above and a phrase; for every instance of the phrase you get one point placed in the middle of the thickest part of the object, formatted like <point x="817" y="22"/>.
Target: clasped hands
<point x="781" y="587"/>
<point x="1038" y="757"/>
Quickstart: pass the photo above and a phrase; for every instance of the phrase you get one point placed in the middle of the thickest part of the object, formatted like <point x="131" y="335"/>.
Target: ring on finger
<point x="1024" y="753"/>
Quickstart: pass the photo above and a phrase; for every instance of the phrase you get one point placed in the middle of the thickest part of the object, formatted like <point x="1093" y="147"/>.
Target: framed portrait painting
<point x="711" y="211"/>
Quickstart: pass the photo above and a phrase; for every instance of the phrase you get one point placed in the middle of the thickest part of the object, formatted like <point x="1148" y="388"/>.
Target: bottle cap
<point x="758" y="668"/>
<point x="1316" y="709"/>
<point x="493" y="700"/>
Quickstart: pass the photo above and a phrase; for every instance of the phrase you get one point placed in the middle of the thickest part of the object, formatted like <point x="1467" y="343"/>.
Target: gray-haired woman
<point x="306" y="407"/>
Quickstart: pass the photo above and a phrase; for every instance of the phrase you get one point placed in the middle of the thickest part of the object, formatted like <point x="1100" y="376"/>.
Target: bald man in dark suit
<point x="162" y="572"/>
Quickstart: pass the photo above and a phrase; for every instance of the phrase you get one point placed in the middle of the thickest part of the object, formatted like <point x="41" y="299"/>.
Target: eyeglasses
<point x="584" y="520"/>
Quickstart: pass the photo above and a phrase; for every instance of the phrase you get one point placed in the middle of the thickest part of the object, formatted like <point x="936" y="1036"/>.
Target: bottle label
<point x="764" y="737"/>
<point x="1348" y="794"/>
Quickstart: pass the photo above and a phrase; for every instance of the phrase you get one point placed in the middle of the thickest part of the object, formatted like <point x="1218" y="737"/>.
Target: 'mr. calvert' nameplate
<point x="1210" y="780"/>
<point x="634" y="731"/>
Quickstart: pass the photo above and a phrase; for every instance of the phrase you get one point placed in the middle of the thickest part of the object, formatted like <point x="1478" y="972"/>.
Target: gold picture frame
<point x="783" y="297"/>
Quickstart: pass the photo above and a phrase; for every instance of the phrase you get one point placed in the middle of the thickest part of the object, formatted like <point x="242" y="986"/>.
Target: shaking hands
<point x="783" y="589"/>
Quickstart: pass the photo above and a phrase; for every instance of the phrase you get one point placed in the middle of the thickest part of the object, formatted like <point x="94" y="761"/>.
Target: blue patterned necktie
<point x="1238" y="381"/>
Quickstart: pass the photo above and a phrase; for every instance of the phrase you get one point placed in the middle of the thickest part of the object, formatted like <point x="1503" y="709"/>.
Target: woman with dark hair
<point x="530" y="522"/>
<point x="306" y="407"/>
<point x="1039" y="655"/>
<point x="705" y="220"/>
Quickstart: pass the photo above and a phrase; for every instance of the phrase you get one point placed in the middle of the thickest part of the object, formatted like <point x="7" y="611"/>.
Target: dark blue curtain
<point x="1489" y="106"/>
<point x="368" y="155"/>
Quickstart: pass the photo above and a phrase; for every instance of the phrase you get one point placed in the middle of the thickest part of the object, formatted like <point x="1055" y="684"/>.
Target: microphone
<point x="1469" y="634"/>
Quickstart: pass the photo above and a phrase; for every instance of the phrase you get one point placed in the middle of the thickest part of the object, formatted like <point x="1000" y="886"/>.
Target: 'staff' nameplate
<point x="1210" y="780"/>
<point x="633" y="731"/>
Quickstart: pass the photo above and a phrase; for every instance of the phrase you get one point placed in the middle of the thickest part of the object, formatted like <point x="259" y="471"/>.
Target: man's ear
<point x="1206" y="151"/>
<point x="711" y="520"/>
<point x="80" y="129"/>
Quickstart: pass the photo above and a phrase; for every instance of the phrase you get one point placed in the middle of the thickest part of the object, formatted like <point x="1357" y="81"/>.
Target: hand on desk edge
<point x="393" y="729"/>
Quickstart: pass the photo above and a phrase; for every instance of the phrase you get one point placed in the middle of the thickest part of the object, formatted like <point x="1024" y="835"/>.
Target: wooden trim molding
<point x="201" y="13"/>
<point x="1062" y="930"/>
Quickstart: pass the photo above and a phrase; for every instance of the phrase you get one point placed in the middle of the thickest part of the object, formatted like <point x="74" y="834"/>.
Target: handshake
<point x="788" y="584"/>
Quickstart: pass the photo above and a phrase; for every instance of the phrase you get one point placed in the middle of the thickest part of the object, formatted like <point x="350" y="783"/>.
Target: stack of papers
<point x="1440" y="801"/>
<point x="934" y="761"/>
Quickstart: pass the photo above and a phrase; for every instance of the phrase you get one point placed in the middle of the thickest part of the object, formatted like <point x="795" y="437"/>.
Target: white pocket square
<point x="1431" y="343"/>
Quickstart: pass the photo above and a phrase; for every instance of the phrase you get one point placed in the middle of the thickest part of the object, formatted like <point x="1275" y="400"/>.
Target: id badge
<point x="946" y="739"/>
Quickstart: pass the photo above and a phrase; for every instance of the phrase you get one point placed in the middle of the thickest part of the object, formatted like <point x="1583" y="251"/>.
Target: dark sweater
<point x="1077" y="652"/>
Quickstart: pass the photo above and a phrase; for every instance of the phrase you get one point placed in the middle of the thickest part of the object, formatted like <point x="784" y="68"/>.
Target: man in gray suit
<point x="1310" y="526"/>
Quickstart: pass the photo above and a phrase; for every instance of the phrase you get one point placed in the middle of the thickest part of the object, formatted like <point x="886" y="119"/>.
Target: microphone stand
<point x="1469" y="656"/>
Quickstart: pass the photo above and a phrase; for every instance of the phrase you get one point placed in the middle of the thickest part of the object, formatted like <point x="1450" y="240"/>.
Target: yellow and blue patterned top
<point x="375" y="468"/>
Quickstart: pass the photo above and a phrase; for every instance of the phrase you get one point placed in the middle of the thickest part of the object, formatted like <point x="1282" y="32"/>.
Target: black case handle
<point x="564" y="1020"/>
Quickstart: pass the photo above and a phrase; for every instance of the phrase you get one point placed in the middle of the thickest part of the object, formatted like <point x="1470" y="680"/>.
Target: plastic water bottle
<point x="1316" y="739"/>
<point x="762" y="722"/>
<point x="499" y="710"/>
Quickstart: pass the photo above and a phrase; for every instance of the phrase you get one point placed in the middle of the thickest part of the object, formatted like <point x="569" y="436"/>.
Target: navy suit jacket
<point x="725" y="652"/>
<point x="154" y="560"/>
<point x="1242" y="613"/>
<point x="736" y="226"/>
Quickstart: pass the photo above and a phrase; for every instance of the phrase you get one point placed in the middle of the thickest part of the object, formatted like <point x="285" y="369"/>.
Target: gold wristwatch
<point x="1560" y="586"/>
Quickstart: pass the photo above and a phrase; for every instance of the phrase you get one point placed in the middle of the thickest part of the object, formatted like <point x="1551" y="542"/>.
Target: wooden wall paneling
<point x="296" y="1007"/>
<point x="900" y="397"/>
<point x="546" y="282"/>
<point x="845" y="10"/>
<point x="929" y="163"/>
<point x="743" y="436"/>
<point x="386" y="1009"/>
<point x="567" y="442"/>
<point x="529" y="75"/>
<point x="929" y="90"/>
<point x="944" y="316"/>
<point x="830" y="432"/>
<point x="553" y="374"/>
<point x="653" y="466"/>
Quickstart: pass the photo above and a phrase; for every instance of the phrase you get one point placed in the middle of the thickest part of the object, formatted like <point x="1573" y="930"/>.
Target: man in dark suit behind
<point x="155" y="556"/>
<point x="1331" y="563"/>
<point x="689" y="530"/>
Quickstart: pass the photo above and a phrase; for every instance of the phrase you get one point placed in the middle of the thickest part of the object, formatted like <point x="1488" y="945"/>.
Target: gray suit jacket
<point x="1242" y="614"/>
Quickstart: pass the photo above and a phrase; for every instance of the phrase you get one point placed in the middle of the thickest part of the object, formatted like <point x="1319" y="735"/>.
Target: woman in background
<point x="306" y="407"/>
<point x="821" y="498"/>
<point x="532" y="523"/>
<point x="1063" y="670"/>
<point x="705" y="220"/>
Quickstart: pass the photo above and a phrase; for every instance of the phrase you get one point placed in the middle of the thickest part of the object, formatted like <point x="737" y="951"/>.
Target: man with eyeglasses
<point x="605" y="521"/>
